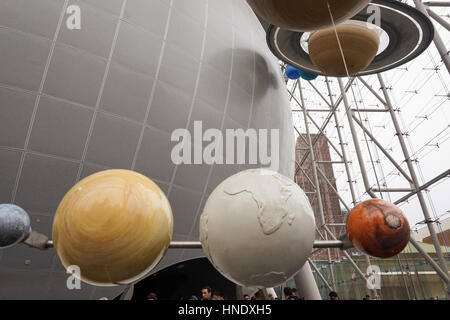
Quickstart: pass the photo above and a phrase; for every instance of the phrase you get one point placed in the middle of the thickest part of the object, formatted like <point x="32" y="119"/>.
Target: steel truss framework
<point x="354" y="120"/>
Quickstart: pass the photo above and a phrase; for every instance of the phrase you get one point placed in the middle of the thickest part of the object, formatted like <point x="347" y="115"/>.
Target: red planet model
<point x="378" y="228"/>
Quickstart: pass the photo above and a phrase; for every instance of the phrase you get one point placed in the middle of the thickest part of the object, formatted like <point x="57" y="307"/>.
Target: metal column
<point x="306" y="284"/>
<point x="316" y="178"/>
<point x="415" y="181"/>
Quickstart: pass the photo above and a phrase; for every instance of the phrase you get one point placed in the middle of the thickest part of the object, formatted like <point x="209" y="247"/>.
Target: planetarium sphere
<point x="258" y="228"/>
<point x="109" y="94"/>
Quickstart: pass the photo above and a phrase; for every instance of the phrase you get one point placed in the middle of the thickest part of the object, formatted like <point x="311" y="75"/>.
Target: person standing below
<point x="288" y="294"/>
<point x="152" y="296"/>
<point x="259" y="295"/>
<point x="217" y="296"/>
<point x="206" y="293"/>
<point x="295" y="293"/>
<point x="333" y="296"/>
<point x="246" y="297"/>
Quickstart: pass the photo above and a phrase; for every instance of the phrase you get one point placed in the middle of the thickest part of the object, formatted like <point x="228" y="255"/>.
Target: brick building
<point x="331" y="206"/>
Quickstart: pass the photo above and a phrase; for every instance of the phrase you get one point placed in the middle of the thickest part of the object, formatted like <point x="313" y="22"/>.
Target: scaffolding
<point x="374" y="149"/>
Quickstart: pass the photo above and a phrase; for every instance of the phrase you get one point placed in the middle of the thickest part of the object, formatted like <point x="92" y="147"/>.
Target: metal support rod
<point x="434" y="265"/>
<point x="353" y="263"/>
<point x="440" y="46"/>
<point x="439" y="19"/>
<point x="293" y="90"/>
<point x="302" y="137"/>
<point x="369" y="110"/>
<point x="320" y="234"/>
<point x="198" y="245"/>
<point x="347" y="87"/>
<point x="414" y="290"/>
<point x="391" y="189"/>
<point x="185" y="245"/>
<point x="306" y="284"/>
<point x="446" y="174"/>
<point x="320" y="94"/>
<point x="306" y="175"/>
<point x="328" y="244"/>
<point x="412" y="171"/>
<point x="318" y="110"/>
<point x="347" y="168"/>
<point x="327" y="120"/>
<point x="437" y="3"/>
<point x="315" y="174"/>
<point x="356" y="141"/>
<point x="325" y="136"/>
<point x="403" y="276"/>
<point x="372" y="90"/>
<point x="333" y="189"/>
<point x="320" y="275"/>
<point x="313" y="157"/>
<point x="333" y="277"/>
<point x="383" y="150"/>
<point x="330" y="162"/>
<point x="341" y="142"/>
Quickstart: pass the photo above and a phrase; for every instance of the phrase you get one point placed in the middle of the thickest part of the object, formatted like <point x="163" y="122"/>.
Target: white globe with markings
<point x="257" y="228"/>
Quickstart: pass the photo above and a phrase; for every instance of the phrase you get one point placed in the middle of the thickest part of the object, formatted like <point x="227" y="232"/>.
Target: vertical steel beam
<point x="315" y="175"/>
<point x="306" y="284"/>
<point x="348" y="111"/>
<point x="403" y="276"/>
<point x="415" y="181"/>
<point x="320" y="275"/>
<point x="349" y="114"/>
<point x="349" y="258"/>
<point x="239" y="292"/>
<point x="341" y="142"/>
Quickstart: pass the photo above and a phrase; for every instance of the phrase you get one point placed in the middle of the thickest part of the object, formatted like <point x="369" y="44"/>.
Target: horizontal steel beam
<point x="437" y="3"/>
<point x="391" y="189"/>
<point x="370" y="110"/>
<point x="318" y="110"/>
<point x="320" y="244"/>
<point x="443" y="175"/>
<point x="330" y="162"/>
<point x="198" y="244"/>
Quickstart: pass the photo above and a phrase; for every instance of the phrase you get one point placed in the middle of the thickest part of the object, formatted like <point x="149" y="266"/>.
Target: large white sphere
<point x="110" y="95"/>
<point x="257" y="228"/>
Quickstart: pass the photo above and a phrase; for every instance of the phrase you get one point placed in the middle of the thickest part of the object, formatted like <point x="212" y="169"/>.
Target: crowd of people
<point x="289" y="294"/>
<point x="207" y="293"/>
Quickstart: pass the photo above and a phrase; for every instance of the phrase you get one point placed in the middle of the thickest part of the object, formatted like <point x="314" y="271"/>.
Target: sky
<point x="420" y="91"/>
